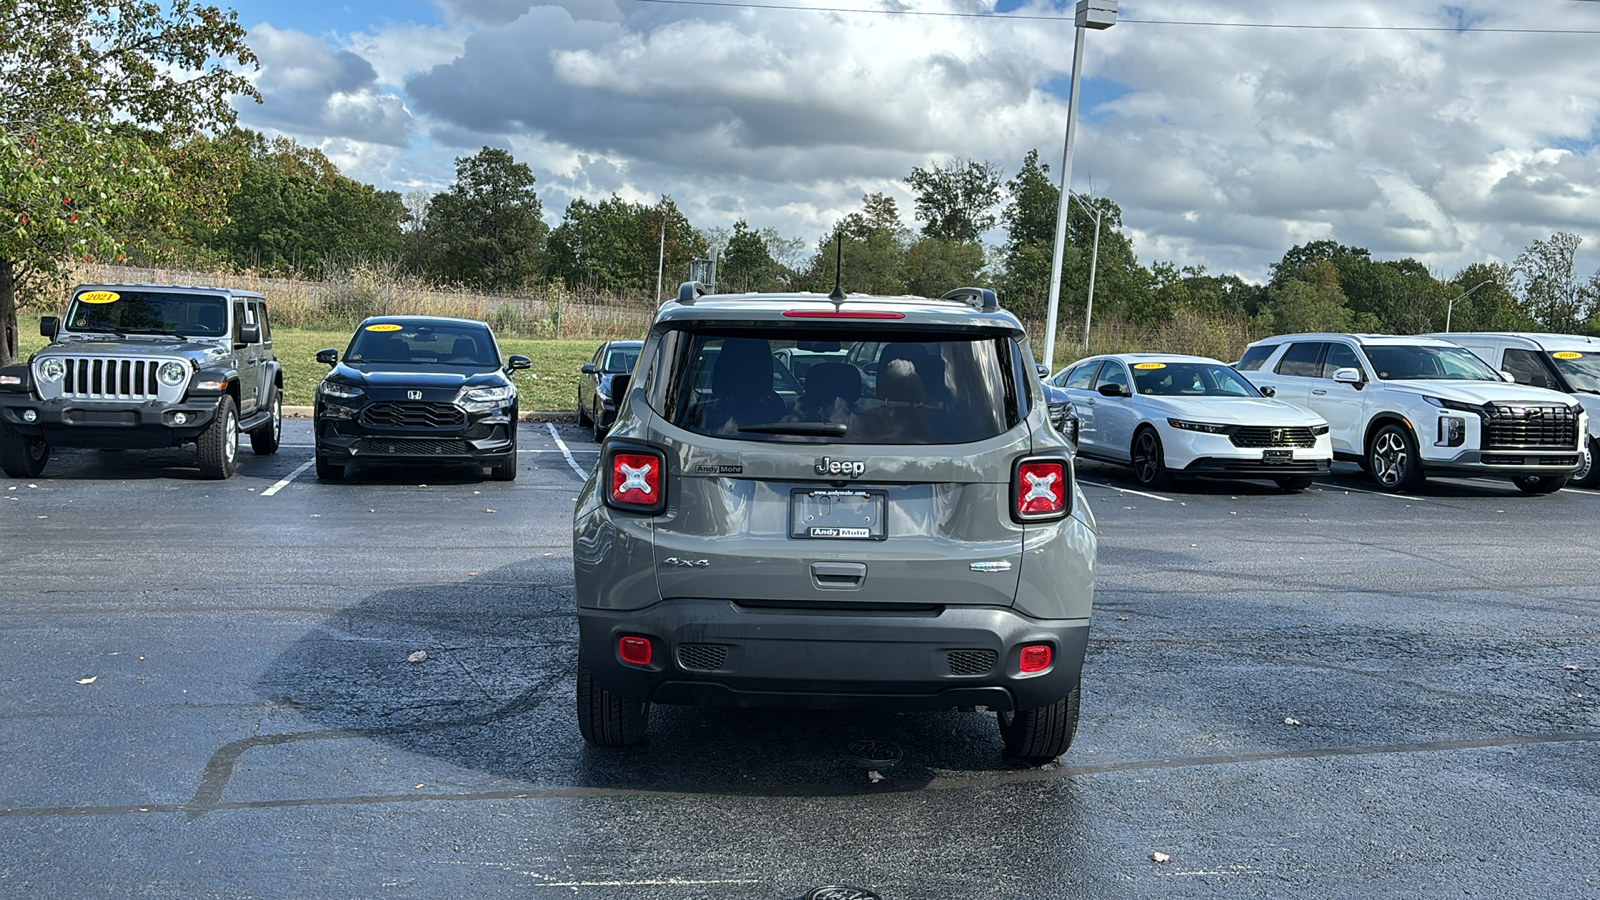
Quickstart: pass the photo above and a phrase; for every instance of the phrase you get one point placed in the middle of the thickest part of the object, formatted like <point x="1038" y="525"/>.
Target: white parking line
<point x="1112" y="487"/>
<point x="1340" y="487"/>
<point x="1573" y="490"/>
<point x="287" y="479"/>
<point x="565" y="452"/>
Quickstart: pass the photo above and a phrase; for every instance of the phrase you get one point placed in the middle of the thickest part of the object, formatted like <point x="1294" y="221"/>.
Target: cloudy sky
<point x="1227" y="130"/>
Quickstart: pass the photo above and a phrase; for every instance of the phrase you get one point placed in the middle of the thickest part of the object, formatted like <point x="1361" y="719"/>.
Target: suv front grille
<point x="971" y="662"/>
<point x="409" y="447"/>
<point x="89" y="378"/>
<point x="1253" y="436"/>
<point x="413" y="414"/>
<point x="1530" y="427"/>
<point x="702" y="656"/>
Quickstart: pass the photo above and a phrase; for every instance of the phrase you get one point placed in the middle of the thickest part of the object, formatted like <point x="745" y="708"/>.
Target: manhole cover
<point x="877" y="753"/>
<point x="841" y="892"/>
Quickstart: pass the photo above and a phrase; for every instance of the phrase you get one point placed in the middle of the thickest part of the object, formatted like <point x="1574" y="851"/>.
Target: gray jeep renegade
<point x="143" y="366"/>
<point x="896" y="528"/>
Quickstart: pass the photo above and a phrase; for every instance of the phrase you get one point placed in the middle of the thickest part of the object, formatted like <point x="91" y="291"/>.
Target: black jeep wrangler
<point x="141" y="366"/>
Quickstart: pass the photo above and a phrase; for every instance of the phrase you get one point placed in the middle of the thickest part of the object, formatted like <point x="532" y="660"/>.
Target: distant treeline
<point x="294" y="213"/>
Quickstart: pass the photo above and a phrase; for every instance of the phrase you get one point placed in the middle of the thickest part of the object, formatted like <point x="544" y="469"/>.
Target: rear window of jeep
<point x="895" y="388"/>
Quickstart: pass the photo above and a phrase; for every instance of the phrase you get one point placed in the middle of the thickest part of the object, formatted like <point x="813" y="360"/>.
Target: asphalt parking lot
<point x="1340" y="693"/>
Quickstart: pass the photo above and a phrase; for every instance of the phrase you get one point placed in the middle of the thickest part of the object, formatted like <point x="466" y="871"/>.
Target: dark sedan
<point x="418" y="389"/>
<point x="597" y="402"/>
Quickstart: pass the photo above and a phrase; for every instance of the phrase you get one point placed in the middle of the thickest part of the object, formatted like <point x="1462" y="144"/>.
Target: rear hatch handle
<point x="838" y="576"/>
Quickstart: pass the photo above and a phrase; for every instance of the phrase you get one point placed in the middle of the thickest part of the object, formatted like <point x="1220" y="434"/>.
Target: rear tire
<point x="1540" y="484"/>
<point x="599" y="430"/>
<point x="1392" y="459"/>
<point x="606" y="720"/>
<point x="1149" y="460"/>
<point x="1040" y="735"/>
<point x="264" y="440"/>
<point x="218" y="447"/>
<point x="1589" y="474"/>
<point x="583" y="413"/>
<point x="1294" y="484"/>
<point x="21" y="455"/>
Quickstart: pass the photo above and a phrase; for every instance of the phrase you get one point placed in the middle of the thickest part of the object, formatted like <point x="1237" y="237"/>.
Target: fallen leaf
<point x="476" y="493"/>
<point x="549" y="554"/>
<point x="420" y="787"/>
<point x="418" y="656"/>
<point x="488" y="510"/>
<point x="1160" y="857"/>
<point x="1122" y="618"/>
<point x="1571" y="668"/>
<point x="41" y="517"/>
<point x="89" y="680"/>
<point x="316" y="515"/>
<point x="33" y="485"/>
<point x="1289" y="721"/>
<point x="874" y="777"/>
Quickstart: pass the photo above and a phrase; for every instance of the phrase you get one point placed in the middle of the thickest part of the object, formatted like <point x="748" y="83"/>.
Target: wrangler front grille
<point x="702" y="656"/>
<point x="91" y="378"/>
<point x="1508" y="427"/>
<point x="1253" y="436"/>
<point x="413" y="414"/>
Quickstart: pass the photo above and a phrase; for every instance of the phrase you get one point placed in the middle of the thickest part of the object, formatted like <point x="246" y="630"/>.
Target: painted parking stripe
<point x="565" y="452"/>
<point x="287" y="479"/>
<point x="1112" y="487"/>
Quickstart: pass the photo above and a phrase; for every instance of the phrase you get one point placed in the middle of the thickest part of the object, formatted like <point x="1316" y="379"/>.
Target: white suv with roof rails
<point x="1569" y="363"/>
<point x="1406" y="407"/>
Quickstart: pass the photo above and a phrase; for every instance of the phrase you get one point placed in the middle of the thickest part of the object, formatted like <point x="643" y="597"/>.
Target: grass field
<point x="550" y="386"/>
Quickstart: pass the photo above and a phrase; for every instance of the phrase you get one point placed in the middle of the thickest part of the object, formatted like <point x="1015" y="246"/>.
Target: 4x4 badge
<point x="850" y="468"/>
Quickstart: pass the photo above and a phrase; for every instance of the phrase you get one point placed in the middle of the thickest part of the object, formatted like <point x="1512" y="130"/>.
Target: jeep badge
<point x="848" y="468"/>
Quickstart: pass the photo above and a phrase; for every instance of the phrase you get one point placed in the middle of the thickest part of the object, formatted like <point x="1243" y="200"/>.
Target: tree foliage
<point x="1552" y="294"/>
<point x="954" y="200"/>
<point x="617" y="246"/>
<point x="488" y="229"/>
<point x="96" y="97"/>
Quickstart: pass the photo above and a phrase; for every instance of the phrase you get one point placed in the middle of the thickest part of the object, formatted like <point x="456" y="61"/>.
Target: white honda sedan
<point x="1168" y="415"/>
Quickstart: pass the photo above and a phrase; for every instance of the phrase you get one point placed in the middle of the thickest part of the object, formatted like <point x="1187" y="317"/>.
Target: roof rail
<point x="981" y="299"/>
<point x="690" y="291"/>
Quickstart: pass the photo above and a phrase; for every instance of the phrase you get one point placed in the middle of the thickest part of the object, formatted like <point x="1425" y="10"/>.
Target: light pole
<point x="1099" y="15"/>
<point x="661" y="257"/>
<point x="1451" y="306"/>
<point x="1094" y="262"/>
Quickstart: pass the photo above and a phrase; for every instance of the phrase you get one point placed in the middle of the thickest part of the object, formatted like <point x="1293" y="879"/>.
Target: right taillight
<point x="1041" y="489"/>
<point x="635" y="479"/>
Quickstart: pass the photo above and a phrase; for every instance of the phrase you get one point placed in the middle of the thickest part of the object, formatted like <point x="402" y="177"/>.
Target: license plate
<point x="1277" y="456"/>
<point x="838" y="515"/>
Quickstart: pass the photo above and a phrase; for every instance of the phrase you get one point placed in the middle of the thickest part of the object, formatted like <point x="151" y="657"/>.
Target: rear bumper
<point x="108" y="425"/>
<point x="718" y="653"/>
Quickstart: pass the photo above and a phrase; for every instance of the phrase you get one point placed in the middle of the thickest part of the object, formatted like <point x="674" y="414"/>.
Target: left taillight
<point x="635" y="479"/>
<point x="1041" y="489"/>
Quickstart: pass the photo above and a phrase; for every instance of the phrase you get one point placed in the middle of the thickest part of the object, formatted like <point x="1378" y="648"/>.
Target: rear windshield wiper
<point x="829" y="429"/>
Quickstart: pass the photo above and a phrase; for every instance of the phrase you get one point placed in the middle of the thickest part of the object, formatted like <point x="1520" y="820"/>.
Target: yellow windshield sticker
<point x="99" y="297"/>
<point x="388" y="327"/>
<point x="1567" y="354"/>
<point x="1149" y="365"/>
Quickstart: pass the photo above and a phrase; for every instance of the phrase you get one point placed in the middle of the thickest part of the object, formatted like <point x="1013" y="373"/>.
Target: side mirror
<point x="588" y="369"/>
<point x="329" y="357"/>
<point x="1041" y="370"/>
<point x="48" y="326"/>
<point x="1111" y="390"/>
<point x="518" y="361"/>
<point x="250" y="333"/>
<point x="1268" y="391"/>
<point x="1348" y="375"/>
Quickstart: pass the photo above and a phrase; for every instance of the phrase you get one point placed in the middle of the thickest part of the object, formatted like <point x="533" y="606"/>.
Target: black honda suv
<point x="418" y="389"/>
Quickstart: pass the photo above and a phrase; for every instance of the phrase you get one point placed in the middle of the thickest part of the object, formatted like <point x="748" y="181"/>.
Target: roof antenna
<point x="838" y="270"/>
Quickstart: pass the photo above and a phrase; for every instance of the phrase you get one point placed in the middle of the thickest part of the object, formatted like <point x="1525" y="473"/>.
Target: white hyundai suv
<point x="1569" y="363"/>
<point x="1406" y="407"/>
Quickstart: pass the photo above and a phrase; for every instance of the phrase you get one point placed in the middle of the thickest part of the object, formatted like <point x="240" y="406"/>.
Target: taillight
<point x="633" y="479"/>
<point x="1034" y="658"/>
<point x="634" y="650"/>
<point x="1041" y="489"/>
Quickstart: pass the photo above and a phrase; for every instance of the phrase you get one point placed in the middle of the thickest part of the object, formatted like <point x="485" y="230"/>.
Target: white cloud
<point x="314" y="91"/>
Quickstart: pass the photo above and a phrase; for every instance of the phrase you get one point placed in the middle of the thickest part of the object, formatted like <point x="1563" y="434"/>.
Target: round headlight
<point x="172" y="374"/>
<point x="52" y="370"/>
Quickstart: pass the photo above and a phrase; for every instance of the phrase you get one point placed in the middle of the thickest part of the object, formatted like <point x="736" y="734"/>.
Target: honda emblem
<point x="413" y="395"/>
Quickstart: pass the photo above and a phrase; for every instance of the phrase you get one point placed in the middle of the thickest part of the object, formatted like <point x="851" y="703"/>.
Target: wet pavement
<point x="205" y="692"/>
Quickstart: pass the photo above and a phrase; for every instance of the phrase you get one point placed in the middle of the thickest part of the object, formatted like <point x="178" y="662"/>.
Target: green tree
<point x="933" y="265"/>
<point x="954" y="199"/>
<point x="96" y="98"/>
<point x="874" y="242"/>
<point x="488" y="229"/>
<point x="614" y="246"/>
<point x="1309" y="302"/>
<point x="746" y="264"/>
<point x="1552" y="295"/>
